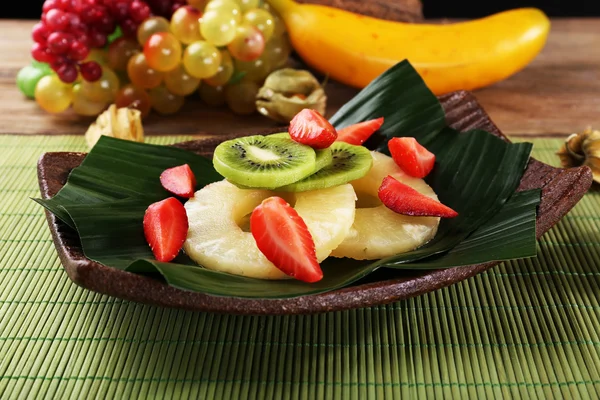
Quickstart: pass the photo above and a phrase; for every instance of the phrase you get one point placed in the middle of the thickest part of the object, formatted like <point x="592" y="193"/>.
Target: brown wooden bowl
<point x="393" y="10"/>
<point x="561" y="190"/>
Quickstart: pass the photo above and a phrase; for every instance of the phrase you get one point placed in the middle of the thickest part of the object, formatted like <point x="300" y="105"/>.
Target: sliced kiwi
<point x="349" y="163"/>
<point x="265" y="162"/>
<point x="324" y="157"/>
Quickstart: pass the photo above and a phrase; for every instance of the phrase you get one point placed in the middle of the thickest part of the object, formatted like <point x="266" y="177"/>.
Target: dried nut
<point x="582" y="149"/>
<point x="121" y="123"/>
<point x="287" y="91"/>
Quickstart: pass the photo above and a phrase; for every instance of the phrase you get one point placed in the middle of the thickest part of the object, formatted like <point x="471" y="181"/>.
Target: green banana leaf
<point x="120" y="244"/>
<point x="476" y="173"/>
<point x="118" y="169"/>
<point x="400" y="96"/>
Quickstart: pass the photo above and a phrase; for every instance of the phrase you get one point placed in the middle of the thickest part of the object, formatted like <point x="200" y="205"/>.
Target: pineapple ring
<point x="217" y="241"/>
<point x="377" y="231"/>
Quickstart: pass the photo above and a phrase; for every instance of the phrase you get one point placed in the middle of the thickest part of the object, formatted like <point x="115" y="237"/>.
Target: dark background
<point x="481" y="8"/>
<point x="31" y="9"/>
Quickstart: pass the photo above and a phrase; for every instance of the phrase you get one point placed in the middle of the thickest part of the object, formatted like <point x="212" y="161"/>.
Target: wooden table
<point x="558" y="93"/>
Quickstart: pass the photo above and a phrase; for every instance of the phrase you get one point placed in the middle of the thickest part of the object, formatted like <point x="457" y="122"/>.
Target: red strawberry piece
<point x="413" y="158"/>
<point x="283" y="237"/>
<point x="403" y="199"/>
<point x="179" y="180"/>
<point x="357" y="134"/>
<point x="165" y="228"/>
<point x="312" y="129"/>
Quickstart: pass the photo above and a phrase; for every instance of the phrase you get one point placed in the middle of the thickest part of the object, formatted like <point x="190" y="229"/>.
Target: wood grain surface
<point x="558" y="93"/>
<point x="396" y="10"/>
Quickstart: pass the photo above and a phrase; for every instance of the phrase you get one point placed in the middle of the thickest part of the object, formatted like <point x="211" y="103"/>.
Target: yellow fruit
<point x="53" y="95"/>
<point x="84" y="106"/>
<point x="218" y="216"/>
<point x="463" y="55"/>
<point x="377" y="231"/>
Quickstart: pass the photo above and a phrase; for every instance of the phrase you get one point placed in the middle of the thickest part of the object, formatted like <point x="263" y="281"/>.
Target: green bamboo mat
<point x="524" y="330"/>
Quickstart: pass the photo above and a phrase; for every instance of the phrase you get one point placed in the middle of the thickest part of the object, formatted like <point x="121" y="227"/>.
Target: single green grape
<point x="133" y="97"/>
<point x="218" y="28"/>
<point x="255" y="71"/>
<point x="120" y="51"/>
<point x="248" y="43"/>
<point x="224" y="73"/>
<point x="84" y="106"/>
<point x="246" y="5"/>
<point x="29" y="76"/>
<point x="185" y="24"/>
<point x="98" y="55"/>
<point x="52" y="94"/>
<point x="241" y="97"/>
<point x="165" y="102"/>
<point x="140" y="73"/>
<point x="151" y="26"/>
<point x="41" y="65"/>
<point x="277" y="51"/>
<point x="162" y="51"/>
<point x="179" y="82"/>
<point x="225" y="7"/>
<point x="262" y="20"/>
<point x="104" y="89"/>
<point x="278" y="23"/>
<point x="201" y="59"/>
<point x="212" y="95"/>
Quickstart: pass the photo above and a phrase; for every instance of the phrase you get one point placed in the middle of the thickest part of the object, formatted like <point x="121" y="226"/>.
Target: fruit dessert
<point x="378" y="231"/>
<point x="290" y="200"/>
<point x="219" y="234"/>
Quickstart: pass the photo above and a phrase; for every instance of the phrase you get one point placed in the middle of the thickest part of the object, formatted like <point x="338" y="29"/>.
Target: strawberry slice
<point x="413" y="158"/>
<point x="180" y="180"/>
<point x="282" y="236"/>
<point x="165" y="228"/>
<point x="312" y="129"/>
<point x="403" y="199"/>
<point x="357" y="134"/>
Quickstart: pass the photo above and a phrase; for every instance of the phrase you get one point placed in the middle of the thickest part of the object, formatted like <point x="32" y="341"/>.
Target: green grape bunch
<point x="156" y="55"/>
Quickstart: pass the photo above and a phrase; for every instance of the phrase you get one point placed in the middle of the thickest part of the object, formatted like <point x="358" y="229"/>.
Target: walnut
<point x="582" y="149"/>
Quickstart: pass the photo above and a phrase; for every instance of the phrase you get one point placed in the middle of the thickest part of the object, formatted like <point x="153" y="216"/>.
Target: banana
<point x="355" y="49"/>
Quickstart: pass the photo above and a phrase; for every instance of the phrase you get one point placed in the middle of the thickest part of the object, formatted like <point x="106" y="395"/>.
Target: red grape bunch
<point x="68" y="29"/>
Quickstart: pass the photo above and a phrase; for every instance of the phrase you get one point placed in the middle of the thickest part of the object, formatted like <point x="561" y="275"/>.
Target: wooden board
<point x="558" y="93"/>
